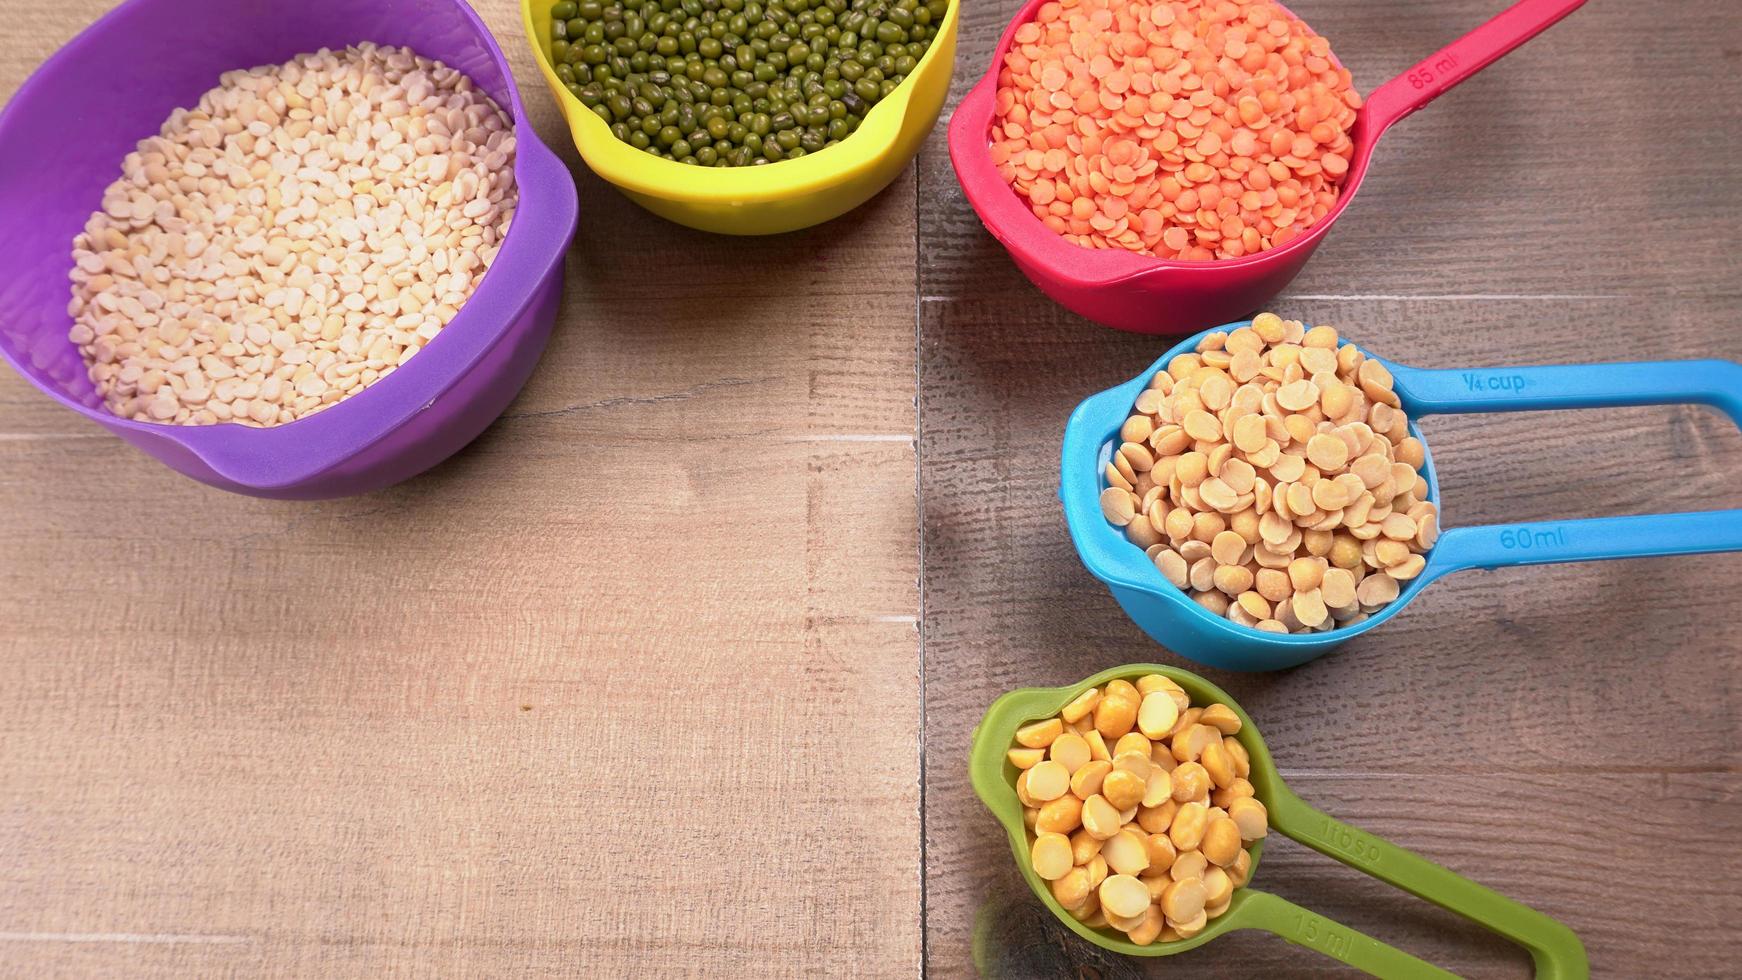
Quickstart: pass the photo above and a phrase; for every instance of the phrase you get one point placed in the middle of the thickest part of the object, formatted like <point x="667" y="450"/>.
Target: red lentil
<point x="1183" y="129"/>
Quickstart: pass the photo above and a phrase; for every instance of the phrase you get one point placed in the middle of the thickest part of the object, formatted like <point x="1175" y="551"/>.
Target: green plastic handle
<point x="1557" y="952"/>
<point x="1274" y="914"/>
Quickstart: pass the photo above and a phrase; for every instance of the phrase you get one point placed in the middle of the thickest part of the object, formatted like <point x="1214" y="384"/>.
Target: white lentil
<point x="302" y="231"/>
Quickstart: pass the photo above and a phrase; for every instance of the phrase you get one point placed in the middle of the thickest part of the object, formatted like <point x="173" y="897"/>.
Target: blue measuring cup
<point x="1170" y="616"/>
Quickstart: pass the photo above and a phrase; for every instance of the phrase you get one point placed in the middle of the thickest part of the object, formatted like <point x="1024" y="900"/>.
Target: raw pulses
<point x="1272" y="475"/>
<point x="1140" y="808"/>
<point x="295" y="237"/>
<point x="730" y="83"/>
<point x="1183" y="129"/>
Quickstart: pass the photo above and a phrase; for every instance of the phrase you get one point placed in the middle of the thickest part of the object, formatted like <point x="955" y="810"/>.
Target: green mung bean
<point x="726" y="83"/>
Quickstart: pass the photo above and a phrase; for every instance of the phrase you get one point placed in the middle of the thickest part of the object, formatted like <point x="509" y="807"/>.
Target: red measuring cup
<point x="1150" y="295"/>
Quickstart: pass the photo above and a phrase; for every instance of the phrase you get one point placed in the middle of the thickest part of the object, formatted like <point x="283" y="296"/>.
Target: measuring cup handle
<point x="1556" y="951"/>
<point x="1439" y="72"/>
<point x="1708" y="382"/>
<point x="1272" y="914"/>
<point x="1527" y="389"/>
<point x="1591" y="539"/>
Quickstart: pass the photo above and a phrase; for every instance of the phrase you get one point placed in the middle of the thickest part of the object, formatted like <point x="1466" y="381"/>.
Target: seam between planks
<point x="919" y="534"/>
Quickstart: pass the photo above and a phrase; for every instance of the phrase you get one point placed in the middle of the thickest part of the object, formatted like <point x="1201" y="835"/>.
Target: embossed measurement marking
<point x="1477" y="381"/>
<point x="1322" y="934"/>
<point x="1526" y="538"/>
<point x="1350" y="841"/>
<point x="1424" y="74"/>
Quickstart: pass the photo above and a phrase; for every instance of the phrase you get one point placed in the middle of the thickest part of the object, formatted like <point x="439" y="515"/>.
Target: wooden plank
<point x="1532" y="216"/>
<point x="629" y="685"/>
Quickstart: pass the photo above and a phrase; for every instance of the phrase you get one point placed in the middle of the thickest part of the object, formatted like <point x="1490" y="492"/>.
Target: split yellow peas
<point x="1150" y="837"/>
<point x="1271" y="475"/>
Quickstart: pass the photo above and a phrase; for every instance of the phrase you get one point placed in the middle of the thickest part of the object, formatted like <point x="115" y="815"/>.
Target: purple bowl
<point x="62" y="139"/>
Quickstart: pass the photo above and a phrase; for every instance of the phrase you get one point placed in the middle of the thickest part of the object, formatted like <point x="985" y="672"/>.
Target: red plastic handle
<point x="1441" y="71"/>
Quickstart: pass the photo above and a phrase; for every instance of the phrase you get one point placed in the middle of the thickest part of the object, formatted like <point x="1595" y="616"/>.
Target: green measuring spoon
<point x="1556" y="950"/>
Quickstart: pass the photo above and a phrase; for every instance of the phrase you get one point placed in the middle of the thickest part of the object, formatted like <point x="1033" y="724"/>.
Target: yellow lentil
<point x="1287" y="479"/>
<point x="1051" y="856"/>
<point x="1151" y="841"/>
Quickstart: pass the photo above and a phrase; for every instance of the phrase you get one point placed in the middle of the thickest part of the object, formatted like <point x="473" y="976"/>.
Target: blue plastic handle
<point x="1529" y="389"/>
<point x="1709" y="382"/>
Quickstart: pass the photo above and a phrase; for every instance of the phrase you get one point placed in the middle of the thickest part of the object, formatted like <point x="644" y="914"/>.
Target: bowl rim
<point x="643" y="173"/>
<point x="1118" y="563"/>
<point x="294" y="453"/>
<point x="1036" y="245"/>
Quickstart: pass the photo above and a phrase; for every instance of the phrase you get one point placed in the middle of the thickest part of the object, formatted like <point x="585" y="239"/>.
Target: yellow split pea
<point x="1150" y="837"/>
<point x="1271" y="475"/>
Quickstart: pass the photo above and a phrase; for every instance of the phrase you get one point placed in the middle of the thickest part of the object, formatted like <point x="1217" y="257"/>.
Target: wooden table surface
<point x="673" y="670"/>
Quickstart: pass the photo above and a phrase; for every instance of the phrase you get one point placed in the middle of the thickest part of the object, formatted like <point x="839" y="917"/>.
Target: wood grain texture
<point x="632" y="685"/>
<point x="1524" y="727"/>
<point x="628" y="687"/>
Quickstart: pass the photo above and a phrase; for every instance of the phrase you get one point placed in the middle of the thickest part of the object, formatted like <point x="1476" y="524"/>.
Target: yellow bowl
<point x="775" y="197"/>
